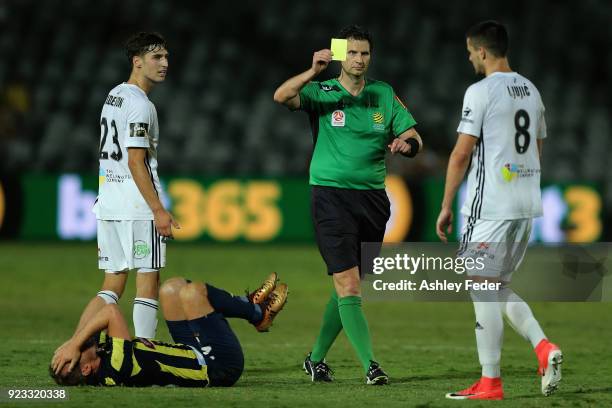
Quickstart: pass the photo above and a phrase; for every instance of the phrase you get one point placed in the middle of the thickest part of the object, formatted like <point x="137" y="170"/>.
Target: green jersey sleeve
<point x="402" y="119"/>
<point x="308" y="97"/>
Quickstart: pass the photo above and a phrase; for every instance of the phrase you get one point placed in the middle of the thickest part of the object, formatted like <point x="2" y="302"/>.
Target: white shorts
<point x="499" y="244"/>
<point x="125" y="245"/>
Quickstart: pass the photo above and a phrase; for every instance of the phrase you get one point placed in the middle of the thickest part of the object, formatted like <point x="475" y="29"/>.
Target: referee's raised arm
<point x="288" y="93"/>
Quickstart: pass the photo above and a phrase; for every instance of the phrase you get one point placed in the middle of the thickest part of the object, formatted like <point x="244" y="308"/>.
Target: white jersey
<point x="505" y="111"/>
<point x="128" y="119"/>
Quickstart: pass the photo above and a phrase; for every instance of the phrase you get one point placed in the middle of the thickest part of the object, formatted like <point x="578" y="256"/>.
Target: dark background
<point x="216" y="113"/>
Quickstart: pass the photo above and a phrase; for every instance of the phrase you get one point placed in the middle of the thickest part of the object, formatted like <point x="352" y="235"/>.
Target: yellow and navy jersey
<point x="133" y="363"/>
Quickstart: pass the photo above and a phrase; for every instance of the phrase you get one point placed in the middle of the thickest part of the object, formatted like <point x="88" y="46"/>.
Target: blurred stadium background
<point x="235" y="166"/>
<point x="219" y="123"/>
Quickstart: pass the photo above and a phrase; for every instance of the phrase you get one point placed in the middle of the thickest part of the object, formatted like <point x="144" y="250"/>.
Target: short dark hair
<point x="491" y="35"/>
<point x="356" y="33"/>
<point x="74" y="377"/>
<point x="143" y="42"/>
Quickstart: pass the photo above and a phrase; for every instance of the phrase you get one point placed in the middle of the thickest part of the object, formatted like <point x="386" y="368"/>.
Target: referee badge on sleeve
<point x="139" y="130"/>
<point x="338" y="118"/>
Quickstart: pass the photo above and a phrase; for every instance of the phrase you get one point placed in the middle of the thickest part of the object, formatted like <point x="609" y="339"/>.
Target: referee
<point x="353" y="119"/>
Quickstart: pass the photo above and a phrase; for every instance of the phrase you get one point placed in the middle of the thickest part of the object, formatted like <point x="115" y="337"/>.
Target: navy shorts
<point x="343" y="219"/>
<point x="218" y="344"/>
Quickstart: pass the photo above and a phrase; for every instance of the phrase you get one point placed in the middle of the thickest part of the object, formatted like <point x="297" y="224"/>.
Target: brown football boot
<point x="260" y="294"/>
<point x="271" y="306"/>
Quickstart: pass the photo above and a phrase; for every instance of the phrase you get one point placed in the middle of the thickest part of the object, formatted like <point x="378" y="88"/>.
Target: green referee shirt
<point x="351" y="133"/>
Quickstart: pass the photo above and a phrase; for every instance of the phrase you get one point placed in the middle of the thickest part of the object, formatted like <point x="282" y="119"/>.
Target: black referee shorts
<point x="343" y="219"/>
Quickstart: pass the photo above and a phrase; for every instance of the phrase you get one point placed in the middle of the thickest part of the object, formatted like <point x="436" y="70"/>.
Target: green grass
<point x="427" y="348"/>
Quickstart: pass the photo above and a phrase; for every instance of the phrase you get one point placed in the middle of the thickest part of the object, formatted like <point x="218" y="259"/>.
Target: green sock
<point x="330" y="328"/>
<point x="356" y="328"/>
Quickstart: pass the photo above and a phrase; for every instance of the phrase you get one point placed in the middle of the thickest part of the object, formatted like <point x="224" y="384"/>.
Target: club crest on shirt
<point x="139" y="130"/>
<point x="379" y="121"/>
<point x="141" y="249"/>
<point x="378" y="117"/>
<point x="338" y="118"/>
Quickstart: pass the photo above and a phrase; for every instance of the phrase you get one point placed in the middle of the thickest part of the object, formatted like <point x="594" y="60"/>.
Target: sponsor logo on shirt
<point x="511" y="171"/>
<point x="338" y="118"/>
<point x="139" y="130"/>
<point x="328" y="88"/>
<point x="481" y="250"/>
<point x="108" y="176"/>
<point x="101" y="176"/>
<point x="483" y="245"/>
<point x="141" y="249"/>
<point x="466" y="115"/>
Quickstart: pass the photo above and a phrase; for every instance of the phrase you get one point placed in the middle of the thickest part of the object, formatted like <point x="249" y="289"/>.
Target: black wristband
<point x="414" y="147"/>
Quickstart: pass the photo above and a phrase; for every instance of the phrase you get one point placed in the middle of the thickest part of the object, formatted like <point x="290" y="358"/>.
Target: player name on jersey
<point x="518" y="91"/>
<point x="504" y="111"/>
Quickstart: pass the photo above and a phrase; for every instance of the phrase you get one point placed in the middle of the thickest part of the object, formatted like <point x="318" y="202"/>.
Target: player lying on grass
<point x="206" y="353"/>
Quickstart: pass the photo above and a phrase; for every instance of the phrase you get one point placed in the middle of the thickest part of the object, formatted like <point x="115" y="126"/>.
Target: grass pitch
<point x="427" y="348"/>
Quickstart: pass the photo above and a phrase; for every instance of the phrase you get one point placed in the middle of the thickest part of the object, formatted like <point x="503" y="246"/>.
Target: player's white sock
<point x="520" y="316"/>
<point x="145" y="317"/>
<point x="108" y="296"/>
<point x="489" y="332"/>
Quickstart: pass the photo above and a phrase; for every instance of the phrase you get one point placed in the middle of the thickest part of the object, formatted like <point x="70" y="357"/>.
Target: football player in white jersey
<point x="132" y="221"/>
<point x="499" y="145"/>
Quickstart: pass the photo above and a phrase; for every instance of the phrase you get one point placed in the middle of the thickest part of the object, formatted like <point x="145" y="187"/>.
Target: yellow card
<point x="338" y="48"/>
